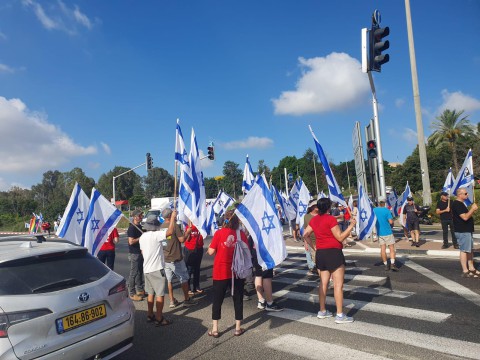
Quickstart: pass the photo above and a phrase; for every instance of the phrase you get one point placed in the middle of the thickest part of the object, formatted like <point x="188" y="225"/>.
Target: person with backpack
<point x="223" y="246"/>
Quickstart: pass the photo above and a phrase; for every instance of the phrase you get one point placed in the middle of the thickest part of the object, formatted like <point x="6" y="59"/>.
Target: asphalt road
<point x="425" y="311"/>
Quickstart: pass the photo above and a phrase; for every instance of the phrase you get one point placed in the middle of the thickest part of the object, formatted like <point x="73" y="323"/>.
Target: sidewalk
<point x="428" y="246"/>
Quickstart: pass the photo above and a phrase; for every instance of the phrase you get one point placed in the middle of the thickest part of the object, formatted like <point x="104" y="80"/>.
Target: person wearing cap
<point x="174" y="263"/>
<point x="385" y="234"/>
<point x="136" y="283"/>
<point x="310" y="250"/>
<point x="410" y="218"/>
<point x="154" y="269"/>
<point x="443" y="209"/>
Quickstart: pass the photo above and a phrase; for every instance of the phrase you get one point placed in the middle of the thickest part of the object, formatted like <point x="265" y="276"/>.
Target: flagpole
<point x="175" y="171"/>
<point x="286" y="190"/>
<point x="315" y="168"/>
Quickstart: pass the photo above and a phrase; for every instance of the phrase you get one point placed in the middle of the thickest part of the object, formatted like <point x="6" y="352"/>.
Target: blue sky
<point x="95" y="84"/>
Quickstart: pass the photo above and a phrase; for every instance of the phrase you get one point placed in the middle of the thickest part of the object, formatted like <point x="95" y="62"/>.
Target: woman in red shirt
<point x="222" y="246"/>
<point x="193" y="254"/>
<point x="107" y="251"/>
<point x="329" y="257"/>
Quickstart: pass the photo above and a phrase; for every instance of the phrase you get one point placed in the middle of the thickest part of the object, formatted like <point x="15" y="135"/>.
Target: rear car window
<point x="50" y="272"/>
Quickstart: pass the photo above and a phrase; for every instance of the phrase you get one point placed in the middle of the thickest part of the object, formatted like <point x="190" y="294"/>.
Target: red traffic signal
<point x="372" y="149"/>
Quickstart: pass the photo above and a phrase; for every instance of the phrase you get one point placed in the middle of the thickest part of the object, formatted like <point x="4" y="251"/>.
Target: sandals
<point x="475" y="272"/>
<point x="162" y="322"/>
<point x="173" y="304"/>
<point x="150" y="318"/>
<point x="239" y="332"/>
<point x="470" y="274"/>
<point x="200" y="291"/>
<point x="213" y="334"/>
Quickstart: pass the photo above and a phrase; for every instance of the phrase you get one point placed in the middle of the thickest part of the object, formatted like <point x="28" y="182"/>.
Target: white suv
<point x="57" y="301"/>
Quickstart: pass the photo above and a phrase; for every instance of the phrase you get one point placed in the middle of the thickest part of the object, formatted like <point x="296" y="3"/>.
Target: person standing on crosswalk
<point x="329" y="257"/>
<point x="385" y="234"/>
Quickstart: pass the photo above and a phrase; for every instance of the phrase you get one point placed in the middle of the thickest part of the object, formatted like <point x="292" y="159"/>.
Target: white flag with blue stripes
<point x="295" y="195"/>
<point x="248" y="177"/>
<point x="392" y="199"/>
<point x="366" y="218"/>
<point x="259" y="215"/>
<point x="182" y="161"/>
<point x="333" y="188"/>
<point x="287" y="209"/>
<point x="102" y="217"/>
<point x="222" y="202"/>
<point x="465" y="179"/>
<point x="73" y="219"/>
<point x="447" y="186"/>
<point x="401" y="202"/>
<point x="302" y="207"/>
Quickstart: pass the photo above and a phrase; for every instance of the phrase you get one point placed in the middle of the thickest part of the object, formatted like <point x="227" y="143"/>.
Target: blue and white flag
<point x="73" y="219"/>
<point x="366" y="218"/>
<point x="350" y="202"/>
<point x="333" y="188"/>
<point x="302" y="207"/>
<point x="192" y="190"/>
<point x="287" y="209"/>
<point x="295" y="195"/>
<point x="322" y="195"/>
<point x="182" y="161"/>
<point x="465" y="179"/>
<point x="101" y="218"/>
<point x="447" y="186"/>
<point x="392" y="199"/>
<point x="401" y="202"/>
<point x="248" y="177"/>
<point x="222" y="202"/>
<point x="258" y="214"/>
<point x="212" y="225"/>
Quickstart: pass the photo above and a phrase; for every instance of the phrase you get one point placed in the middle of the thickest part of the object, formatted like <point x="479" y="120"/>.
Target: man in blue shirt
<point x="385" y="234"/>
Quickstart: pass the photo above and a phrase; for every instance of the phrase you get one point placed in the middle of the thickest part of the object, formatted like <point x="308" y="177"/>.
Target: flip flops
<point x="239" y="332"/>
<point x="162" y="322"/>
<point x="213" y="334"/>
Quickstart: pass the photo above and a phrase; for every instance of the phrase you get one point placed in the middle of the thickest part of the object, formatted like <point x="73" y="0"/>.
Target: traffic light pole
<point x="113" y="184"/>
<point x="376" y="131"/>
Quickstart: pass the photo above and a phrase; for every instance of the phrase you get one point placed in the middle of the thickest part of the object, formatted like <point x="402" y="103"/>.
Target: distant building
<point x="394" y="164"/>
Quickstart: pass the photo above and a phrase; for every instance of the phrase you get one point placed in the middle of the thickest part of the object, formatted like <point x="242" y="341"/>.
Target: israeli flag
<point x="333" y="188"/>
<point x="192" y="190"/>
<point x="257" y="212"/>
<point x="287" y="210"/>
<point x="181" y="155"/>
<point x="322" y="195"/>
<point x="465" y="179"/>
<point x="302" y="208"/>
<point x="73" y="219"/>
<point x="222" y="202"/>
<point x="447" y="186"/>
<point x="366" y="218"/>
<point x="101" y="218"/>
<point x="401" y="202"/>
<point x="212" y="225"/>
<point x="350" y="202"/>
<point x="392" y="199"/>
<point x="295" y="195"/>
<point x="248" y="177"/>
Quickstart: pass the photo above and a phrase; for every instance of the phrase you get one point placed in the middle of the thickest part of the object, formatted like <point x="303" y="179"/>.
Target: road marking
<point x="446" y="283"/>
<point x="296" y="259"/>
<point x="403" y="311"/>
<point x="389" y="333"/>
<point x="363" y="278"/>
<point x="307" y="348"/>
<point x="379" y="291"/>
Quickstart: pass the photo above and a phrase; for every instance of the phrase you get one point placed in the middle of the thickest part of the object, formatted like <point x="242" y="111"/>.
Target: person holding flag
<point x="443" y="209"/>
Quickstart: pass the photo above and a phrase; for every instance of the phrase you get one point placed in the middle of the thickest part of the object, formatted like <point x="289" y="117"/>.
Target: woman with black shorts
<point x="329" y="257"/>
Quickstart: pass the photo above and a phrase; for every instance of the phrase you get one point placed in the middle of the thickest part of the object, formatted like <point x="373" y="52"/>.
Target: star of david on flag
<point x="447" y="186"/>
<point x="259" y="215"/>
<point x="366" y="218"/>
<point x="222" y="202"/>
<point x="287" y="210"/>
<point x="465" y="179"/>
<point x="248" y="177"/>
<point x="72" y="222"/>
<point x="401" y="202"/>
<point x="303" y="200"/>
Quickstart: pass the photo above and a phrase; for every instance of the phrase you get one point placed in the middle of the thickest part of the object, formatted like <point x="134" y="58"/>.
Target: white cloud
<point x="252" y="142"/>
<point x="6" y="69"/>
<point x="82" y="18"/>
<point x="458" y="101"/>
<point x="30" y="143"/>
<point x="106" y="148"/>
<point x="330" y="83"/>
<point x="399" y="103"/>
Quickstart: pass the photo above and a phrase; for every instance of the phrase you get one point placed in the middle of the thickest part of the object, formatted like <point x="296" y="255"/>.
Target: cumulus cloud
<point x="106" y="148"/>
<point x="252" y="142"/>
<point x="330" y="83"/>
<point x="30" y="143"/>
<point x="458" y="101"/>
<point x="60" y="16"/>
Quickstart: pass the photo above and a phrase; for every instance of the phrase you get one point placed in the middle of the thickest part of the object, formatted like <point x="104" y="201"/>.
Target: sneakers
<point x="343" y="319"/>
<point x="387" y="267"/>
<point x="273" y="307"/>
<point x="324" y="314"/>
<point x="173" y="303"/>
<point x="444" y="246"/>
<point x="246" y="297"/>
<point x="189" y="302"/>
<point x="135" y="297"/>
<point x="394" y="268"/>
<point x="261" y="305"/>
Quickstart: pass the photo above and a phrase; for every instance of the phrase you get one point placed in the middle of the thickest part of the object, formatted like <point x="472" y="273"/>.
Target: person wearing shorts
<point x="463" y="225"/>
<point x="410" y="214"/>
<point x="174" y="263"/>
<point x="385" y="234"/>
<point x="154" y="269"/>
<point x="329" y="257"/>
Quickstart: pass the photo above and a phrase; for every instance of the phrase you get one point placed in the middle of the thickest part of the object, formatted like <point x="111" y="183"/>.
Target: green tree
<point x="158" y="183"/>
<point x="212" y="187"/>
<point x="77" y="175"/>
<point x="264" y="169"/>
<point x="233" y="177"/>
<point x="50" y="195"/>
<point x="448" y="128"/>
<point x="125" y="186"/>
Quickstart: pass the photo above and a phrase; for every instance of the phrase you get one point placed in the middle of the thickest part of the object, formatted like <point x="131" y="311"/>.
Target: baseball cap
<point x="444" y="193"/>
<point x="410" y="198"/>
<point x="382" y="199"/>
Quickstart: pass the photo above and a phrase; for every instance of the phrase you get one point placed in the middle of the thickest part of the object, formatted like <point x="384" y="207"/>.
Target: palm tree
<point x="448" y="127"/>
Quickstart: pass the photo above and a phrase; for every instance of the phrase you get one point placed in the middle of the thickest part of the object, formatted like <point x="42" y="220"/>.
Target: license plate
<point x="80" y="318"/>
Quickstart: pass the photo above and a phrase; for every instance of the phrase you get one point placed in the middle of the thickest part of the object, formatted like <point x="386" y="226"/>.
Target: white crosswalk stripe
<point x="362" y="278"/>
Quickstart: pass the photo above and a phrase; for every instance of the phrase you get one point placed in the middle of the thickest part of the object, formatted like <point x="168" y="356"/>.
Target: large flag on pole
<point x="333" y="188"/>
<point x="295" y="195"/>
<point x="222" y="202"/>
<point x="259" y="215"/>
<point x="181" y="159"/>
<point x="366" y="218"/>
<point x="287" y="210"/>
<point x="447" y="186"/>
<point x="303" y="200"/>
<point x="392" y="199"/>
<point x="72" y="222"/>
<point x="192" y="190"/>
<point x="248" y="177"/>
<point x="465" y="179"/>
<point x="402" y="201"/>
<point x="102" y="217"/>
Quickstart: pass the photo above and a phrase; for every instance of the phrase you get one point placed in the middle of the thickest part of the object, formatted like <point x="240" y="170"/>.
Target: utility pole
<point x="422" y="151"/>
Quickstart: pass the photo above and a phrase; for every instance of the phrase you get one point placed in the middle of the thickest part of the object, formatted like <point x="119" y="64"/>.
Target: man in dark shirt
<point x="135" y="280"/>
<point x="410" y="213"/>
<point x="443" y="209"/>
<point x="463" y="224"/>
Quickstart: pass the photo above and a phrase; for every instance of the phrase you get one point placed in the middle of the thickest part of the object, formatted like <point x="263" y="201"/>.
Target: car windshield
<point x="50" y="272"/>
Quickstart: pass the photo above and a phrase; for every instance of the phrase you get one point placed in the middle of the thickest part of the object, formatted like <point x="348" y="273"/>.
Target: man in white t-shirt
<point x="154" y="269"/>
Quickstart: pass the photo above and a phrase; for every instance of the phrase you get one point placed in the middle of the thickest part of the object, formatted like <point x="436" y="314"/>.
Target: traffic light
<point x="372" y="149"/>
<point x="211" y="151"/>
<point x="149" y="161"/>
<point x="376" y="46"/>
